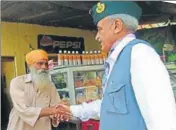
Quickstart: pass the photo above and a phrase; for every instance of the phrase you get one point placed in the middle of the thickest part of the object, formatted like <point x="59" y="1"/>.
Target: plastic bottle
<point x="88" y="57"/>
<point x="100" y="57"/>
<point x="92" y="58"/>
<point x="78" y="58"/>
<point x="60" y="58"/>
<point x="70" y="59"/>
<point x="96" y="57"/>
<point x="84" y="60"/>
<point x="74" y="58"/>
<point x="66" y="58"/>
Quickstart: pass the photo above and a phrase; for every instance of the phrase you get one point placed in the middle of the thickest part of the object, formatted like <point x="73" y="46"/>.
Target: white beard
<point x="40" y="78"/>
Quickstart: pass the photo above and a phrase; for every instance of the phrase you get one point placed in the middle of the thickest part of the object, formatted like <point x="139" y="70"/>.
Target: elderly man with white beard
<point x="34" y="97"/>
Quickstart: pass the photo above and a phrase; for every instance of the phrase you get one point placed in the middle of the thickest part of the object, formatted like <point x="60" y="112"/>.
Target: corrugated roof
<point x="75" y="14"/>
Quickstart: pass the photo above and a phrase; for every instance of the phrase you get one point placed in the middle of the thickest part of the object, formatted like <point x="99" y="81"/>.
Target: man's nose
<point x="97" y="37"/>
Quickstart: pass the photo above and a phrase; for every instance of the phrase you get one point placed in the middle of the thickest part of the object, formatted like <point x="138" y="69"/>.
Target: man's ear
<point x="28" y="68"/>
<point x="118" y="26"/>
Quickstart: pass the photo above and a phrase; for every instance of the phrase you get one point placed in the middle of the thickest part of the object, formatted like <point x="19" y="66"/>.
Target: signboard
<point x="53" y="43"/>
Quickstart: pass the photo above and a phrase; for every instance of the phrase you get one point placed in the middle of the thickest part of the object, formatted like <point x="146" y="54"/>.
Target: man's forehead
<point x="103" y="22"/>
<point x="42" y="60"/>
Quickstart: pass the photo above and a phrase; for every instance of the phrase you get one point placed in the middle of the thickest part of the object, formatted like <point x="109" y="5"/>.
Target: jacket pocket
<point x="117" y="98"/>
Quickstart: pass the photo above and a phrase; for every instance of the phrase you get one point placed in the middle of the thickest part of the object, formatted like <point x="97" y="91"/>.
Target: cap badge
<point x="100" y="7"/>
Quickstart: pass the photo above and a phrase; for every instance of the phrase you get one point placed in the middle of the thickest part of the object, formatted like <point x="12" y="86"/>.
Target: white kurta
<point x="152" y="88"/>
<point x="27" y="104"/>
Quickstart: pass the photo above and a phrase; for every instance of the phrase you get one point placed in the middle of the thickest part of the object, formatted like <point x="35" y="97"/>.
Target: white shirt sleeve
<point x="85" y="111"/>
<point x="152" y="88"/>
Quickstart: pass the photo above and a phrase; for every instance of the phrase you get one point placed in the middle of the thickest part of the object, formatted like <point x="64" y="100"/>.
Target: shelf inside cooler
<point x="86" y="94"/>
<point x="64" y="89"/>
<point x="60" y="80"/>
<point x="87" y="78"/>
<point x="64" y="96"/>
<point x="83" y="87"/>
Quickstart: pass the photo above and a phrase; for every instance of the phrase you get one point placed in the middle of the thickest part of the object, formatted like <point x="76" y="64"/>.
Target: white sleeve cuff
<point x="75" y="110"/>
<point x="85" y="111"/>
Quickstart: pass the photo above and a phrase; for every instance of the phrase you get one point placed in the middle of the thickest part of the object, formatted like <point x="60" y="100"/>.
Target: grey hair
<point x="130" y="22"/>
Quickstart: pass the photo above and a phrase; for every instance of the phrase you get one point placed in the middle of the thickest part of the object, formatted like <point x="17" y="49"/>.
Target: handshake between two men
<point x="62" y="113"/>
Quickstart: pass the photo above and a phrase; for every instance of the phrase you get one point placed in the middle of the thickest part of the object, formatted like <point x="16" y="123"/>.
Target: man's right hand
<point x="63" y="112"/>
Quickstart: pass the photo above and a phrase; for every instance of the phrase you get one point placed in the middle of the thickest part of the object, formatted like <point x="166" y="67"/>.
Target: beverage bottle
<point x="70" y="59"/>
<point x="74" y="58"/>
<point x="84" y="58"/>
<point x="88" y="57"/>
<point x="92" y="57"/>
<point x="60" y="58"/>
<point x="100" y="57"/>
<point x="96" y="57"/>
<point x="78" y="58"/>
<point x="66" y="58"/>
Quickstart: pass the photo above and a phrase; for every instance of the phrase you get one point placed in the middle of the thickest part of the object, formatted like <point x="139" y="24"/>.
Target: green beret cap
<point x="105" y="8"/>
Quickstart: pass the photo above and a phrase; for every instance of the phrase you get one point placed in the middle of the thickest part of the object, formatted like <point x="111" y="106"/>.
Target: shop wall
<point x="16" y="37"/>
